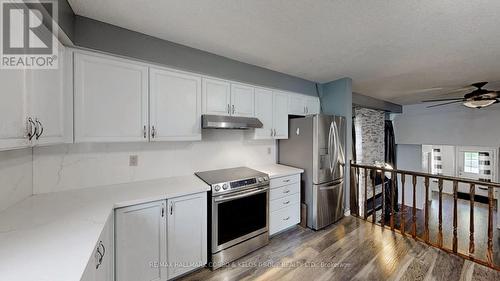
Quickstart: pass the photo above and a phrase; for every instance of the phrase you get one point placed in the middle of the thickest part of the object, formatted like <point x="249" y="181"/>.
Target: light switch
<point x="133" y="160"/>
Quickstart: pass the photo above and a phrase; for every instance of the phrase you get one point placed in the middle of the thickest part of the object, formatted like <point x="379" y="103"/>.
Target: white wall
<point x="448" y="125"/>
<point x="16" y="178"/>
<point x="410" y="159"/>
<point x="64" y="167"/>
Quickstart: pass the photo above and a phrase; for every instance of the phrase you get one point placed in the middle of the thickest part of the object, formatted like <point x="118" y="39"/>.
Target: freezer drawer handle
<point x="286" y="191"/>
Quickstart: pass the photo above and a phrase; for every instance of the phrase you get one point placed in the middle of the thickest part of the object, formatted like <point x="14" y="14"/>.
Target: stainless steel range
<point x="239" y="220"/>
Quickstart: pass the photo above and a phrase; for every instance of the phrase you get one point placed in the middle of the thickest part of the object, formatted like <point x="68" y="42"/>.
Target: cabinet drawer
<point x="279" y="203"/>
<point x="277" y="182"/>
<point x="284" y="218"/>
<point x="283" y="191"/>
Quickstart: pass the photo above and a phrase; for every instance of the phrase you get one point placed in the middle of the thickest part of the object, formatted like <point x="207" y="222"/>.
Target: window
<point x="471" y="162"/>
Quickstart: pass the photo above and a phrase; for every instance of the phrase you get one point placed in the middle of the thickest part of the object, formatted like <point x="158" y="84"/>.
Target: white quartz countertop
<point x="50" y="237"/>
<point x="278" y="170"/>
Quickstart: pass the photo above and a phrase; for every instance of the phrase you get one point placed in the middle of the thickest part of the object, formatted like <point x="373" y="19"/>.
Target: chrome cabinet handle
<point x="286" y="191"/>
<point x="287" y="218"/>
<point x="153" y="132"/>
<point x="31" y="125"/>
<point x="271" y="132"/>
<point x="288" y="180"/>
<point x="228" y="109"/>
<point x="274" y="132"/>
<point x="233" y="108"/>
<point x="286" y="202"/>
<point x="144" y="132"/>
<point x="37" y="135"/>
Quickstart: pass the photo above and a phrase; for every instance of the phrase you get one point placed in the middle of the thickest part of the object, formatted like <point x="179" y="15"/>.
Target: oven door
<point x="239" y="216"/>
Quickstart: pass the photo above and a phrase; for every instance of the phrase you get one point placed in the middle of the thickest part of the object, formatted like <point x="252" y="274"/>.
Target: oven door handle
<point x="241" y="195"/>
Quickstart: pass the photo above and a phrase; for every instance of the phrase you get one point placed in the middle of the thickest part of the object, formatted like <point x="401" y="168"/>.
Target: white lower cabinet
<point x="101" y="264"/>
<point x="141" y="242"/>
<point x="161" y="240"/>
<point x="284" y="205"/>
<point x="186" y="234"/>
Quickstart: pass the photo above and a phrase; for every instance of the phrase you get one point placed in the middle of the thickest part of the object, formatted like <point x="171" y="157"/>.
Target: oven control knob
<point x="261" y="179"/>
<point x="225" y="186"/>
<point x="217" y="187"/>
<point x="266" y="178"/>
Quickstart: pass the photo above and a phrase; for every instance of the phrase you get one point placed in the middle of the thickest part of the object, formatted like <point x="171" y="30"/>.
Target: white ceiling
<point x="392" y="49"/>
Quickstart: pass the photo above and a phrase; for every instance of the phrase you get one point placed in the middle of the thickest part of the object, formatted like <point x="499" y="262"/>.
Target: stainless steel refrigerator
<point x="316" y="143"/>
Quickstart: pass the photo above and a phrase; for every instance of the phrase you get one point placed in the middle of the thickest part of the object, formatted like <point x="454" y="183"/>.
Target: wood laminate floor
<point x="352" y="249"/>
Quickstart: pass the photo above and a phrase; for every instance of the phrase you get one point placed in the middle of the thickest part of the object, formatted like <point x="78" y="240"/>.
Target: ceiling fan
<point x="478" y="98"/>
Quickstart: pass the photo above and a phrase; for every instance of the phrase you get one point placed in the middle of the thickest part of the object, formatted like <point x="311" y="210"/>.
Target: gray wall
<point x="336" y="99"/>
<point x="373" y="103"/>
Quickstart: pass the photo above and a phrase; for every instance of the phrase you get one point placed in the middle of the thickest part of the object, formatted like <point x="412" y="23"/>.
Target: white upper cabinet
<point x="271" y="108"/>
<point x="13" y="109"/>
<point x="187" y="233"/>
<point x="141" y="242"/>
<point x="224" y="98"/>
<point x="175" y="105"/>
<point x="280" y="115"/>
<point x="242" y="100"/>
<point x="264" y="111"/>
<point x="36" y="107"/>
<point x="50" y="100"/>
<point x="312" y="105"/>
<point x="303" y="105"/>
<point x="216" y="97"/>
<point x="296" y="105"/>
<point x="111" y="99"/>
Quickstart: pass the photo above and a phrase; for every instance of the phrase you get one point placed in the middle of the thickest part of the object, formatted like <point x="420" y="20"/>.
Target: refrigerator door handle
<point x="330" y="135"/>
<point x="335" y="158"/>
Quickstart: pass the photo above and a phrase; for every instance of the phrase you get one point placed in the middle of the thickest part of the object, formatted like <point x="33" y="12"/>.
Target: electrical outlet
<point x="133" y="161"/>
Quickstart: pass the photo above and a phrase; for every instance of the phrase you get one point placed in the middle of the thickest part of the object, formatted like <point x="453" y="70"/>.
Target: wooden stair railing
<point x="400" y="176"/>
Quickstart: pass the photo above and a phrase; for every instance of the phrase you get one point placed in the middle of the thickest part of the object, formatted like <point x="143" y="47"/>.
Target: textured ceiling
<point x="398" y="50"/>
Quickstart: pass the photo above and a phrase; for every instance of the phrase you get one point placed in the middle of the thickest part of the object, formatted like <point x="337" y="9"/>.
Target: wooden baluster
<point x="440" y="216"/>
<point x="426" y="211"/>
<point x="357" y="191"/>
<point x="382" y="221"/>
<point x="393" y="182"/>
<point x="414" y="217"/>
<point x="489" y="253"/>
<point x="471" y="225"/>
<point x="366" y="195"/>
<point x="402" y="208"/>
<point x="374" y="210"/>
<point x="455" y="197"/>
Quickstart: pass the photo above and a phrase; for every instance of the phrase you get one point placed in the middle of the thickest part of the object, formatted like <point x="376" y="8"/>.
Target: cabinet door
<point x="280" y="111"/>
<point x="296" y="105"/>
<point x="216" y="96"/>
<point x="111" y="99"/>
<point x="13" y="109"/>
<point x="242" y="100"/>
<point x="49" y="101"/>
<point x="312" y="106"/>
<point x="140" y="245"/>
<point x="105" y="250"/>
<point x="264" y="112"/>
<point x="187" y="233"/>
<point x="175" y="105"/>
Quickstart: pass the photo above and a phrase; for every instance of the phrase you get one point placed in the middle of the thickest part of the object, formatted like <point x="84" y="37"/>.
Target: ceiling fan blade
<point x="443" y="99"/>
<point x="436" y="105"/>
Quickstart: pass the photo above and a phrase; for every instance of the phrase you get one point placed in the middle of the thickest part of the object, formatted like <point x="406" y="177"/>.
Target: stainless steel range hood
<point x="229" y="122"/>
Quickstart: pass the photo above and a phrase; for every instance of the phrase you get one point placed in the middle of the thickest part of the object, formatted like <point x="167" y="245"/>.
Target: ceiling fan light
<point x="479" y="103"/>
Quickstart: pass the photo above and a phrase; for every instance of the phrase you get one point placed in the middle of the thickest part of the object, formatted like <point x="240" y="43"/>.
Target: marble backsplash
<point x="16" y="176"/>
<point x="72" y="166"/>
